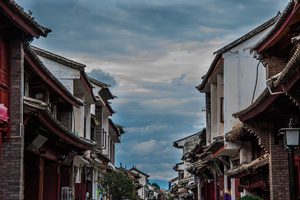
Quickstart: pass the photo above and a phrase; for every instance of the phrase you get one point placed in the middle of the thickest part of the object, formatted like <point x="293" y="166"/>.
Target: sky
<point x="153" y="53"/>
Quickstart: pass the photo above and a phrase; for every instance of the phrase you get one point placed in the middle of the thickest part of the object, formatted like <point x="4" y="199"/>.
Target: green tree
<point x="156" y="185"/>
<point x="248" y="197"/>
<point x="118" y="185"/>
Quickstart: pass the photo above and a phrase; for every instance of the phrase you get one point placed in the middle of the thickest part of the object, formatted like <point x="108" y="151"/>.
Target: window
<point x="222" y="109"/>
<point x="103" y="139"/>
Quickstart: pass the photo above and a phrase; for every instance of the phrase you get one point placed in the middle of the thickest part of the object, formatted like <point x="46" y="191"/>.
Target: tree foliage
<point x="156" y="185"/>
<point x="248" y="197"/>
<point x="118" y="185"/>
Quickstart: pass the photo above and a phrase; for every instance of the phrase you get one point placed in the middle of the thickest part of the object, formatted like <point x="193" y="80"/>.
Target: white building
<point x="90" y="121"/>
<point x="235" y="79"/>
<point x="143" y="191"/>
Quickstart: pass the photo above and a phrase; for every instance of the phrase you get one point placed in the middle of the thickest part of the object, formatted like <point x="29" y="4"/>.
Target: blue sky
<point x="153" y="53"/>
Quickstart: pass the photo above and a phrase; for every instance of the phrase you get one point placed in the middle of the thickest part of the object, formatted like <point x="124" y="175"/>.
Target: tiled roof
<point x="19" y="11"/>
<point x="120" y="128"/>
<point x="287" y="72"/>
<point x="59" y="59"/>
<point x="279" y="21"/>
<point x="135" y="169"/>
<point x="66" y="62"/>
<point x="38" y="105"/>
<point x="199" y="133"/>
<point x="235" y="134"/>
<point x="249" y="34"/>
<point x="247" y="168"/>
<point x="98" y="83"/>
<point x="209" y="72"/>
<point x="216" y="144"/>
<point x="104" y="92"/>
<point x="30" y="50"/>
<point x="232" y="45"/>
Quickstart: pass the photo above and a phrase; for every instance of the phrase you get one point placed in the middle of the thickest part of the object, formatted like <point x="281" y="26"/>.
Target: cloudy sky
<point x="153" y="53"/>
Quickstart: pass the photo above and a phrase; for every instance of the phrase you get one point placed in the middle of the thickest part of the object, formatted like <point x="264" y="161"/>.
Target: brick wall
<point x="260" y="129"/>
<point x="11" y="168"/>
<point x="278" y="170"/>
<point x="278" y="163"/>
<point x="274" y="65"/>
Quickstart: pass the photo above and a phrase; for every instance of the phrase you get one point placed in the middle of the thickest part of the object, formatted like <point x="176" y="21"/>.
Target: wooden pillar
<point x="41" y="178"/>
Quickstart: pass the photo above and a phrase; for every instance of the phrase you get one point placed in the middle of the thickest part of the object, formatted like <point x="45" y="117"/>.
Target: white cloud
<point x="145" y="148"/>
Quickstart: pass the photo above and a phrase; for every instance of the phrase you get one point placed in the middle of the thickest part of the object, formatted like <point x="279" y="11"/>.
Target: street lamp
<point x="291" y="142"/>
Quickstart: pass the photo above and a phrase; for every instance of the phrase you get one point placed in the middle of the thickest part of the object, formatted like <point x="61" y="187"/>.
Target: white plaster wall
<point x="143" y="182"/>
<point x="93" y="109"/>
<point x="239" y="79"/>
<point x="88" y="121"/>
<point x="214" y="111"/>
<point x="79" y="118"/>
<point x="96" y="89"/>
<point x="220" y="92"/>
<point x="63" y="73"/>
<point x="181" y="167"/>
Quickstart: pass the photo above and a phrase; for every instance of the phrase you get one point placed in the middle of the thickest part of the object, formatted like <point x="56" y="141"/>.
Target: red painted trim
<point x="60" y="133"/>
<point x="105" y="164"/>
<point x="85" y="83"/>
<point x="279" y="30"/>
<point x="217" y="152"/>
<point x="217" y="65"/>
<point x="46" y="78"/>
<point x="19" y="21"/>
<point x="284" y="87"/>
<point x="258" y="109"/>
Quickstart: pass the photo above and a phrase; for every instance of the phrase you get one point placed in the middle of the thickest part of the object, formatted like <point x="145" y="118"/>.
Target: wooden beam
<point x="61" y="133"/>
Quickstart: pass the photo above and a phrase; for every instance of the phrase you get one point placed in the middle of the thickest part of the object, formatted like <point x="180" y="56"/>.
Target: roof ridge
<point x="58" y="58"/>
<point x="248" y="35"/>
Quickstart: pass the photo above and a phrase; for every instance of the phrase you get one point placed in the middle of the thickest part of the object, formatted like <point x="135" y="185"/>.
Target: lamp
<point x="291" y="142"/>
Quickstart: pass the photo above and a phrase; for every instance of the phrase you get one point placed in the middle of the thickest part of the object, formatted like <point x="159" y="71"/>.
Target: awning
<point x="100" y="163"/>
<point x="78" y="160"/>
